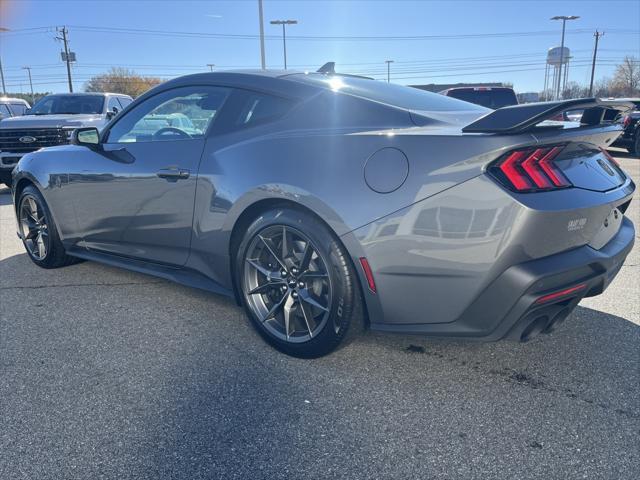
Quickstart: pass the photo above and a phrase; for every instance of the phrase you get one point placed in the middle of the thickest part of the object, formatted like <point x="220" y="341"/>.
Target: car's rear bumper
<point x="508" y="307"/>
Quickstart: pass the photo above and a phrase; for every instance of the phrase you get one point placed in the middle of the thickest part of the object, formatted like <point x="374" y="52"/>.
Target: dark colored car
<point x="490" y="97"/>
<point x="630" y="138"/>
<point x="315" y="199"/>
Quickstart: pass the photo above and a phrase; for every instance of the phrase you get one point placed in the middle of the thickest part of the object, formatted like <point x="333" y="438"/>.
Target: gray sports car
<point x="318" y="198"/>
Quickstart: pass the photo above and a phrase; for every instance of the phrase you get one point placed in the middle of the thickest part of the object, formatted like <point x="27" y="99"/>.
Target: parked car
<point x="490" y="97"/>
<point x="51" y="121"/>
<point x="630" y="138"/>
<point x="12" y="107"/>
<point x="315" y="199"/>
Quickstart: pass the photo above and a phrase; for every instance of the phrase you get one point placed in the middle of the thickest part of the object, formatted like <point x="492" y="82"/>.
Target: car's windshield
<point x="490" y="98"/>
<point x="409" y="98"/>
<point x="68" y="104"/>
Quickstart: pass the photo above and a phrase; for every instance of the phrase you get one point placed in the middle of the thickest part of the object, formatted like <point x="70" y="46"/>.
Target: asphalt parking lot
<point x="111" y="374"/>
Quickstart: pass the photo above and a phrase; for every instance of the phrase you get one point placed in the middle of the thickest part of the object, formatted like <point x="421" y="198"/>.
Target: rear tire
<point x="38" y="231"/>
<point x="296" y="283"/>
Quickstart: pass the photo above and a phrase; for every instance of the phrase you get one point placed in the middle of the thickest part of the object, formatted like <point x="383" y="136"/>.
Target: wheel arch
<point x="253" y="211"/>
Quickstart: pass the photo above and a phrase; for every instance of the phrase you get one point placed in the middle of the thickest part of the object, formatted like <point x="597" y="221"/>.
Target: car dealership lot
<point x="111" y="374"/>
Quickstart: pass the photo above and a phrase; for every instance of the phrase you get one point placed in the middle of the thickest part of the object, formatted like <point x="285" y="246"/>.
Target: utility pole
<point x="28" y="69"/>
<point x="4" y="88"/>
<point x="564" y="19"/>
<point x="262" y="61"/>
<point x="388" y="62"/>
<point x="211" y="65"/>
<point x="597" y="35"/>
<point x="67" y="58"/>
<point x="284" y="23"/>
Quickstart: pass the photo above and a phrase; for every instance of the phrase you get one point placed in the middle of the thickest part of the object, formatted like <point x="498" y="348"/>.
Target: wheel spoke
<point x="275" y="308"/>
<point x="265" y="288"/>
<point x="308" y="317"/>
<point x="42" y="251"/>
<point x="285" y="244"/>
<point x="305" y="296"/>
<point x="267" y="243"/>
<point x="33" y="209"/>
<point x="287" y="315"/>
<point x="267" y="273"/>
<point x="313" y="274"/>
<point x="306" y="257"/>
<point x="31" y="234"/>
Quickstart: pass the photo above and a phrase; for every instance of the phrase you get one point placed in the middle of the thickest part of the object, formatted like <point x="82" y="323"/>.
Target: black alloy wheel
<point x="296" y="283"/>
<point x="38" y="231"/>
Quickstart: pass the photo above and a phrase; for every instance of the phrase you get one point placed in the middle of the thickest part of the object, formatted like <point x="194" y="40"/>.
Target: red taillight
<point x="532" y="169"/>
<point x="562" y="293"/>
<point x="366" y="268"/>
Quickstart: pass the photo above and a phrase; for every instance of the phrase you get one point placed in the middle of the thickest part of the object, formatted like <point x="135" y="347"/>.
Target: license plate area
<point x="608" y="230"/>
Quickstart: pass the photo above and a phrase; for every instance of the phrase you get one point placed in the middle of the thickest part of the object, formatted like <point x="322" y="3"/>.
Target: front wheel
<point x="296" y="283"/>
<point x="38" y="231"/>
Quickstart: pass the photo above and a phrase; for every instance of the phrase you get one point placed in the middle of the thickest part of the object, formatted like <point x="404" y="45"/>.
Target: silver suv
<point x="51" y="121"/>
<point x="12" y="107"/>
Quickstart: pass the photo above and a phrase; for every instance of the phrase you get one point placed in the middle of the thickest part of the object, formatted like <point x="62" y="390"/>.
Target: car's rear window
<point x="389" y="93"/>
<point x="490" y="98"/>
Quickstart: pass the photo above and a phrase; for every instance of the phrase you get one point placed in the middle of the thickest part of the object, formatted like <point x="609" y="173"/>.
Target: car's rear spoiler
<point x="520" y="118"/>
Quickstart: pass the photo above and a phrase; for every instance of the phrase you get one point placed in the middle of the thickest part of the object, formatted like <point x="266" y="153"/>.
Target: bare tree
<point x="574" y="90"/>
<point x="626" y="79"/>
<point x="121" y="80"/>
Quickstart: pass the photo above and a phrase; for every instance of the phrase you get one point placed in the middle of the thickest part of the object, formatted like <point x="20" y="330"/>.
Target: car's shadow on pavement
<point x="115" y="374"/>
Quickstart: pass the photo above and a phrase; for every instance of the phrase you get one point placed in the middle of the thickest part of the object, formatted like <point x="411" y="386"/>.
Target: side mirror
<point x="112" y="113"/>
<point x="27" y="111"/>
<point x="86" y="136"/>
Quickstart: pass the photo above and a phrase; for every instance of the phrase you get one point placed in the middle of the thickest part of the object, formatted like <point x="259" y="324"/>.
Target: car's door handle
<point x="173" y="174"/>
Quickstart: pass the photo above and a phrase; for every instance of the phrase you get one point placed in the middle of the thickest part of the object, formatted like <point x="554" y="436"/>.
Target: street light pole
<point x="564" y="19"/>
<point x="211" y="65"/>
<point x="4" y="88"/>
<point x="593" y="64"/>
<point x="28" y="69"/>
<point x="388" y="62"/>
<point x="262" y="60"/>
<point x="284" y="23"/>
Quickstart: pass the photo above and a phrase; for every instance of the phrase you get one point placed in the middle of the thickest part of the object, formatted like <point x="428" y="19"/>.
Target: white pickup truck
<point x="50" y="122"/>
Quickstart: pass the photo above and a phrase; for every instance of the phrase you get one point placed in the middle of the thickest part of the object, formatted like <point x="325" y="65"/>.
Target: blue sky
<point x="426" y="59"/>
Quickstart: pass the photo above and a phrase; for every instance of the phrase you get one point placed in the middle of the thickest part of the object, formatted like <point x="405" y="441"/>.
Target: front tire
<point x="296" y="283"/>
<point x="38" y="231"/>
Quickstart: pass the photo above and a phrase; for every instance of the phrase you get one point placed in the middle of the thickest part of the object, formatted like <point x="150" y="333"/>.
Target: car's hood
<point x="53" y="121"/>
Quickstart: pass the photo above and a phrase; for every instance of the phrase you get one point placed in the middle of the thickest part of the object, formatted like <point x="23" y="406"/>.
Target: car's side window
<point x="18" y="108"/>
<point x="124" y="101"/>
<point x="114" y="105"/>
<point x="4" y="110"/>
<point x="260" y="108"/>
<point x="179" y="114"/>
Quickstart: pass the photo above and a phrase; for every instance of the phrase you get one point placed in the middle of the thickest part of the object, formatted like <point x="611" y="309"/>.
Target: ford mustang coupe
<point x="314" y="199"/>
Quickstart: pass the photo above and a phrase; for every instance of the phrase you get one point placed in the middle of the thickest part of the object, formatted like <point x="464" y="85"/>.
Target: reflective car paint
<point x="447" y="228"/>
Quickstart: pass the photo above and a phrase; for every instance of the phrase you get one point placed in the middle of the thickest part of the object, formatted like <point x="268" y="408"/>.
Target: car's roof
<point x="95" y="94"/>
<point x="477" y="87"/>
<point x="12" y="99"/>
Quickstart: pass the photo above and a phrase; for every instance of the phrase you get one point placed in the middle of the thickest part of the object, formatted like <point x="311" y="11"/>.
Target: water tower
<point x="556" y="57"/>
